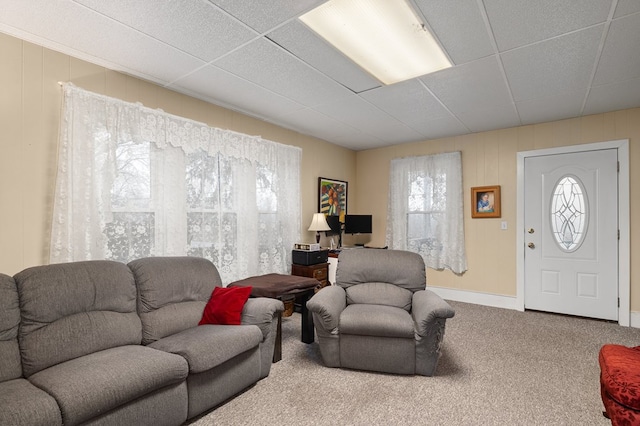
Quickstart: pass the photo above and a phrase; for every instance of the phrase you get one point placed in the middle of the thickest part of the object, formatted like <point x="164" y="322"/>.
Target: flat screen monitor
<point x="357" y="224"/>
<point x="334" y="224"/>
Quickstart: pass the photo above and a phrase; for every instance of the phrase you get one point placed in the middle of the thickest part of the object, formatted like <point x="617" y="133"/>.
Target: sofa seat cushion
<point x="376" y="320"/>
<point x="41" y="408"/>
<point x="207" y="346"/>
<point x="99" y="382"/>
<point x="620" y="374"/>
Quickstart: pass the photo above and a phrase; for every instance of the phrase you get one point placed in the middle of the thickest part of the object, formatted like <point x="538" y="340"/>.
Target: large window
<point x="135" y="182"/>
<point x="426" y="209"/>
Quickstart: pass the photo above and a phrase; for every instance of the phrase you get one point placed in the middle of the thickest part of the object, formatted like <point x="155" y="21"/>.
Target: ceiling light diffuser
<point x="385" y="37"/>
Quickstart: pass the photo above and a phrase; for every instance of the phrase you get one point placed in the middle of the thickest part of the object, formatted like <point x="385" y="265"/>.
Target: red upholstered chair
<point x="620" y="383"/>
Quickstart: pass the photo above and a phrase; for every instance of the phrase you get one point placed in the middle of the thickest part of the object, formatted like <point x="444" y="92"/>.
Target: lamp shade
<point x="319" y="223"/>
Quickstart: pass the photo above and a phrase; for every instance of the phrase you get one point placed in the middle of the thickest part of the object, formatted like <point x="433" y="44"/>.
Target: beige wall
<point x="30" y="103"/>
<point x="489" y="158"/>
<point x="30" y="109"/>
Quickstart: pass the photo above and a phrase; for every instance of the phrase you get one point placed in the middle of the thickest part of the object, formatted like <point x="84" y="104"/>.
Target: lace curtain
<point x="135" y="182"/>
<point x="425" y="212"/>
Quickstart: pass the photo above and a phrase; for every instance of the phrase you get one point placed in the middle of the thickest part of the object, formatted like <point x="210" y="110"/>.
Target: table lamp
<point x="319" y="223"/>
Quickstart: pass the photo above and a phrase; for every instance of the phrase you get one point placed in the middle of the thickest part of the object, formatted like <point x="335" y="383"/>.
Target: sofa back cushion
<point x="10" y="367"/>
<point x="73" y="309"/>
<point x="172" y="293"/>
<point x="403" y="269"/>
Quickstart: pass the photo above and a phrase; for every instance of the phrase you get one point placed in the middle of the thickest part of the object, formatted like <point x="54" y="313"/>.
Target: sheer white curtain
<point x="134" y="182"/>
<point x="425" y="211"/>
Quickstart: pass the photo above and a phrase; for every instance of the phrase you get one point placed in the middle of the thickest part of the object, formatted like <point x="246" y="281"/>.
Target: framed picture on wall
<point x="485" y="201"/>
<point x="332" y="197"/>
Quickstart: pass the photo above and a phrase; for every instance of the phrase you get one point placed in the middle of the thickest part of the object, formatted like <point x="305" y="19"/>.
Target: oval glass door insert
<point x="569" y="213"/>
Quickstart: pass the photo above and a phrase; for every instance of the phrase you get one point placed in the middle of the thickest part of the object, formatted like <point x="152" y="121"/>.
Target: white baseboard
<point x="495" y="300"/>
<point x="486" y="299"/>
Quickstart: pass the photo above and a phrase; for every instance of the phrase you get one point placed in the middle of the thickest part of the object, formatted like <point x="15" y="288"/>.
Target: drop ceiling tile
<point x="620" y="59"/>
<point x="557" y="107"/>
<point x="561" y="64"/>
<point x="476" y="85"/>
<point x="312" y="122"/>
<point x="626" y="7"/>
<point x="358" y="113"/>
<point x="412" y="104"/>
<point x="263" y="15"/>
<point x="221" y="88"/>
<point x="405" y="100"/>
<point x="110" y="44"/>
<point x="195" y="27"/>
<point x="492" y="118"/>
<point x="460" y="29"/>
<point x="269" y="66"/>
<point x="317" y="124"/>
<point x="441" y="127"/>
<point x="315" y="51"/>
<point x="614" y="96"/>
<point x="360" y="141"/>
<point x="148" y="60"/>
<point x="517" y="23"/>
<point x="394" y="133"/>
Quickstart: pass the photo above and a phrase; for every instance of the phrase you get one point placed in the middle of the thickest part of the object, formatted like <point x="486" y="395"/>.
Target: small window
<point x="569" y="213"/>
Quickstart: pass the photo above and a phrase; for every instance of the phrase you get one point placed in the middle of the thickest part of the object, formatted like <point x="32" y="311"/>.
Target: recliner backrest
<point x="172" y="293"/>
<point x="73" y="309"/>
<point x="398" y="267"/>
<point x="10" y="366"/>
<point x="380" y="294"/>
<point x="378" y="276"/>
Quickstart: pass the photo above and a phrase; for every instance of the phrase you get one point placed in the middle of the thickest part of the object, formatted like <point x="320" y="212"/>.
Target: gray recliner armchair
<point x="379" y="316"/>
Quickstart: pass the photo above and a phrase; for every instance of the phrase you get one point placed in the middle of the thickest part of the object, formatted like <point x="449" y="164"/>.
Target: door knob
<point x="530" y="230"/>
<point x="531" y="245"/>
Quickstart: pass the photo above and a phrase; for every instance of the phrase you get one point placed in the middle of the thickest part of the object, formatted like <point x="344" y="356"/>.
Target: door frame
<point x="624" y="273"/>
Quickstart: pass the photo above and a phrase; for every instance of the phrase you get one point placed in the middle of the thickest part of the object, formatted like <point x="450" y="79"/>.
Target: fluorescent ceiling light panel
<point x="384" y="37"/>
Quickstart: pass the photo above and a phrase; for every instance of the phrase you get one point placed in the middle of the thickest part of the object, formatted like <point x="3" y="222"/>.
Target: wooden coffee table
<point x="284" y="287"/>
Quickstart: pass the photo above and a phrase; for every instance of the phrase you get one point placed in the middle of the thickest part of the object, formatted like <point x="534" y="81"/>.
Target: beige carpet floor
<point x="498" y="367"/>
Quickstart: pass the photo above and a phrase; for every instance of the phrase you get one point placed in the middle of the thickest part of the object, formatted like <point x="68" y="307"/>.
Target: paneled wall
<point x="30" y="102"/>
<point x="489" y="158"/>
<point x="30" y="110"/>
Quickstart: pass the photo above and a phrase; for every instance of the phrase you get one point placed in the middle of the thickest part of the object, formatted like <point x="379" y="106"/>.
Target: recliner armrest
<point x="328" y="303"/>
<point x="428" y="307"/>
<point x="261" y="311"/>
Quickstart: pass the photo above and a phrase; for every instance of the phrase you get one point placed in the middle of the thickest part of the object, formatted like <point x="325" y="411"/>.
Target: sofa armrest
<point x="327" y="304"/>
<point x="261" y="311"/>
<point x="426" y="308"/>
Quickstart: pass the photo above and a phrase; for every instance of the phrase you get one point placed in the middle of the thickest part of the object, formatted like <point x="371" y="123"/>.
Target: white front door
<point x="571" y="233"/>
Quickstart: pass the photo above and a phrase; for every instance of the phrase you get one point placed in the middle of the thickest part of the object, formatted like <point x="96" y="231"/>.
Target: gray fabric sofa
<point x="41" y="408"/>
<point x="101" y="342"/>
<point x="223" y="359"/>
<point x="379" y="315"/>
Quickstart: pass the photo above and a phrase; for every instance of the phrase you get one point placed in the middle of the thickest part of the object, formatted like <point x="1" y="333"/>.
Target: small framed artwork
<point x="485" y="201"/>
<point x="332" y="197"/>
